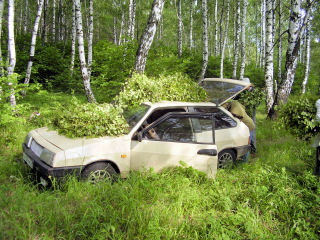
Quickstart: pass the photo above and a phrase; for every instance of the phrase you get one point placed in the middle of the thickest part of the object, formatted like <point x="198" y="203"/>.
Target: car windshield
<point x="134" y="114"/>
<point x="221" y="91"/>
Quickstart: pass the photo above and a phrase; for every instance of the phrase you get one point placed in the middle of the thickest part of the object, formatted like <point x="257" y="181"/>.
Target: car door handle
<point x="211" y="152"/>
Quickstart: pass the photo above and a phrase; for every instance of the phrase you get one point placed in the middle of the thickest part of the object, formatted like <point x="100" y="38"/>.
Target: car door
<point x="173" y="139"/>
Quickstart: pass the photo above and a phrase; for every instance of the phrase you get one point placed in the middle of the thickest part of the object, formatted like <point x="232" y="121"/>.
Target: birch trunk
<point x="82" y="56"/>
<point x="11" y="51"/>
<point x="45" y="27"/>
<point x="263" y="27"/>
<point x="269" y="55"/>
<point x="121" y="27"/>
<point x="90" y="39"/>
<point x="191" y="26"/>
<point x="73" y="38"/>
<point x="215" y="52"/>
<point x="225" y="39"/>
<point x="1" y="14"/>
<point x="236" y="42"/>
<point x="132" y="16"/>
<point x="54" y="20"/>
<point x="148" y="35"/>
<point x="205" y="40"/>
<point x="61" y="28"/>
<point x="307" y="57"/>
<point x="33" y="42"/>
<point x="115" y="31"/>
<point x="279" y="46"/>
<point x="25" y="17"/>
<point x="179" y="29"/>
<point x="243" y="39"/>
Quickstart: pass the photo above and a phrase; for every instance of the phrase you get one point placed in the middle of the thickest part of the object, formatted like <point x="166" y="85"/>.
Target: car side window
<point x="182" y="129"/>
<point x="222" y="120"/>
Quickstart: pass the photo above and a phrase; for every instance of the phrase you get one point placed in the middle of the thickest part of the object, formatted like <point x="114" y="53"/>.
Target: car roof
<point x="179" y="104"/>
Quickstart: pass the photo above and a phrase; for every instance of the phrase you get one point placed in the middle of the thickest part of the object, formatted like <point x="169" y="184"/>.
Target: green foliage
<point x="82" y="120"/>
<point x="256" y="75"/>
<point x="177" y="87"/>
<point x="298" y="116"/>
<point x="214" y="64"/>
<point x="251" y="99"/>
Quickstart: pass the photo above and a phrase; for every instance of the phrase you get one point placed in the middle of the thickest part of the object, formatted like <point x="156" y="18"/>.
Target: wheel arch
<point x="115" y="166"/>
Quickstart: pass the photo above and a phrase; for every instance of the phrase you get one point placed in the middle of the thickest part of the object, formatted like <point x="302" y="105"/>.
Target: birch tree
<point x="294" y="35"/>
<point x="1" y="14"/>
<point x="204" y="39"/>
<point x="280" y="44"/>
<point x="33" y="41"/>
<point x="11" y="51"/>
<point x="236" y="41"/>
<point x="179" y="29"/>
<point x="243" y="39"/>
<point x="45" y="27"/>
<point x="263" y="27"/>
<point x="307" y="57"/>
<point x="191" y="26"/>
<point x="53" y="20"/>
<point x="225" y="39"/>
<point x="90" y="39"/>
<point x="121" y="27"/>
<point x="82" y="56"/>
<point x="269" y="54"/>
<point x="132" y="17"/>
<point x="148" y="35"/>
<point x="73" y="38"/>
<point x="25" y="16"/>
<point x="215" y="51"/>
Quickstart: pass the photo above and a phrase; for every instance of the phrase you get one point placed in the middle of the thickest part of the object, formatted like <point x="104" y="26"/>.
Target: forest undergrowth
<point x="274" y="196"/>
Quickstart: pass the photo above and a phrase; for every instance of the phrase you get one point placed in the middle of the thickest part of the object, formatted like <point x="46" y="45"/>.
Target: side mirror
<point x="139" y="136"/>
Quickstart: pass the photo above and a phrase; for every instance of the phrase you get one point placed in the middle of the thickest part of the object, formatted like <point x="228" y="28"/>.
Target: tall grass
<point x="274" y="196"/>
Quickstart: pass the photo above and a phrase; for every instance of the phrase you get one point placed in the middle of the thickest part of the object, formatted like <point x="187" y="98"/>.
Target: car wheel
<point x="226" y="158"/>
<point x="99" y="172"/>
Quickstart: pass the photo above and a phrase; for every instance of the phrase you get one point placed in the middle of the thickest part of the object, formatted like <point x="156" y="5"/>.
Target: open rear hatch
<point x="222" y="90"/>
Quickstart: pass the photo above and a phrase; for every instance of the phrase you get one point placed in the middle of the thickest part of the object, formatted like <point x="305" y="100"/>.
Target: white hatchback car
<point x="203" y="135"/>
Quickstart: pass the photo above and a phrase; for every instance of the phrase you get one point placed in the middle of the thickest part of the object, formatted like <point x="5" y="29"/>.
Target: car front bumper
<point x="46" y="171"/>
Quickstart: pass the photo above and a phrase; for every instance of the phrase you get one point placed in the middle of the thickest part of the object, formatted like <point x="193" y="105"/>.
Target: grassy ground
<point x="274" y="196"/>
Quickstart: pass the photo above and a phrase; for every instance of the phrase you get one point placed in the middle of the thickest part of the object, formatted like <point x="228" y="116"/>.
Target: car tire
<point x="99" y="172"/>
<point x="226" y="158"/>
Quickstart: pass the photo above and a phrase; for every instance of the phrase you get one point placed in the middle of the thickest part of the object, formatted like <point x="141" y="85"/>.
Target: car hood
<point x="65" y="143"/>
<point x="222" y="90"/>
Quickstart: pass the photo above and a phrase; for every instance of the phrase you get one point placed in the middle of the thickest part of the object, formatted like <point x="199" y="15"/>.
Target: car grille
<point x="36" y="148"/>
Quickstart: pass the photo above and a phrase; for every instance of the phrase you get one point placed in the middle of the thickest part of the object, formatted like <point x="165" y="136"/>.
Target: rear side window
<point x="222" y="120"/>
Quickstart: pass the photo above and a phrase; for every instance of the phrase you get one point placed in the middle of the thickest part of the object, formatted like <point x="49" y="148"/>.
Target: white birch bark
<point x="179" y="29"/>
<point x="45" y="27"/>
<point x="132" y="16"/>
<point x="307" y="57"/>
<point x="11" y="50"/>
<point x="204" y="39"/>
<point x="61" y="27"/>
<point x="33" y="41"/>
<point x="90" y="39"/>
<point x="54" y="20"/>
<point x="236" y="41"/>
<point x="279" y="45"/>
<point x="25" y="17"/>
<point x="73" y="38"/>
<point x="82" y="56"/>
<point x="215" y="52"/>
<point x="191" y="26"/>
<point x="269" y="55"/>
<point x="243" y="39"/>
<point x="225" y="39"/>
<point x="121" y="27"/>
<point x="1" y="14"/>
<point x="263" y="27"/>
<point x="148" y="35"/>
<point x="115" y="31"/>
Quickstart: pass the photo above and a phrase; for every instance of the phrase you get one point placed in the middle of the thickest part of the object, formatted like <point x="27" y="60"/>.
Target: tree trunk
<point x="25" y="17"/>
<point x="132" y="17"/>
<point x="90" y="39"/>
<point x="11" y="51"/>
<point x="54" y="20"/>
<point x="269" y="55"/>
<point x="121" y="27"/>
<point x="279" y="46"/>
<point x="225" y="39"/>
<point x="236" y="42"/>
<point x="263" y="27"/>
<point x="205" y="40"/>
<point x="243" y="39"/>
<point x="294" y="36"/>
<point x="33" y="42"/>
<point x="307" y="57"/>
<point x="148" y="35"/>
<point x="73" y="38"/>
<point x="82" y="56"/>
<point x="115" y="31"/>
<point x="61" y="27"/>
<point x="179" y="29"/>
<point x="45" y="27"/>
<point x="215" y="52"/>
<point x="191" y="26"/>
<point x="1" y="14"/>
<point x="221" y="23"/>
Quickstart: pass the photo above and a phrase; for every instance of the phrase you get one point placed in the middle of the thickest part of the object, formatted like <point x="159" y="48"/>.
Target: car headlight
<point x="28" y="140"/>
<point x="47" y="156"/>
